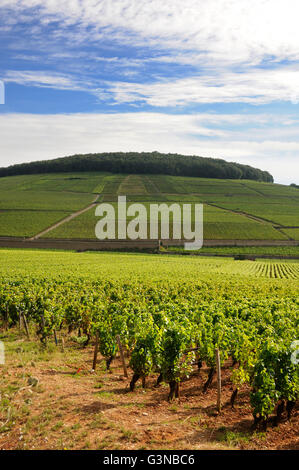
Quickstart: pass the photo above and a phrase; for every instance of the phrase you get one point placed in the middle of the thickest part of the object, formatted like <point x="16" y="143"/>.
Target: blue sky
<point x="217" y="78"/>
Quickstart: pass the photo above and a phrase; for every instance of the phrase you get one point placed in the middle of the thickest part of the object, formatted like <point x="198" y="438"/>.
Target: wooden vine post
<point x="218" y="369"/>
<point x="26" y="325"/>
<point x="95" y="354"/>
<point x="55" y="337"/>
<point x="122" y="356"/>
<point x="6" y="322"/>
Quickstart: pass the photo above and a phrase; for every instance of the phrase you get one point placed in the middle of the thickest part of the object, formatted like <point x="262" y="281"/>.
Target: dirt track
<point x="82" y="245"/>
<point x="65" y="220"/>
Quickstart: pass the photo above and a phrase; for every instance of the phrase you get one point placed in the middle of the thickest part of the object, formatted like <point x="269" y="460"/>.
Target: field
<point x="29" y="204"/>
<point x="218" y="224"/>
<point x="246" y="250"/>
<point x="292" y="233"/>
<point x="90" y="337"/>
<point x="120" y="266"/>
<point x="28" y="223"/>
<point x="169" y="314"/>
<point x="233" y="209"/>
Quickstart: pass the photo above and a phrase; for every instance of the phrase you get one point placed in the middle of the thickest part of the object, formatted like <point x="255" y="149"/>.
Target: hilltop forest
<point x="142" y="163"/>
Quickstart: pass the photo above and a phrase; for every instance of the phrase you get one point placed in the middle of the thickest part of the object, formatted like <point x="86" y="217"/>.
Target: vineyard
<point x="166" y="326"/>
<point x="277" y="270"/>
<point x="233" y="209"/>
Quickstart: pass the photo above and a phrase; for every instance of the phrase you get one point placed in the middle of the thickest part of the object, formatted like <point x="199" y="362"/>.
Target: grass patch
<point x="232" y="438"/>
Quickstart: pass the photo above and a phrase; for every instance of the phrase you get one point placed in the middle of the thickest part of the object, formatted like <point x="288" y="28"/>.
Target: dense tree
<point x="139" y="163"/>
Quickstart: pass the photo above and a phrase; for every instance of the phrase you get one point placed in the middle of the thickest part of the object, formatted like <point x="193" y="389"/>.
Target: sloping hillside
<point x="233" y="209"/>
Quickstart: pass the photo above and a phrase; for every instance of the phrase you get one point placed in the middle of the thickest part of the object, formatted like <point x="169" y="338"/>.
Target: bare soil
<point x="75" y="408"/>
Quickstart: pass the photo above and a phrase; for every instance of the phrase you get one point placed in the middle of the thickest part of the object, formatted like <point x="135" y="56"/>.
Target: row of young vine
<point x="169" y="327"/>
<point x="276" y="270"/>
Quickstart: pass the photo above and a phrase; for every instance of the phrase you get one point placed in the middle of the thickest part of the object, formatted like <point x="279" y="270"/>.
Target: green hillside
<point x="233" y="209"/>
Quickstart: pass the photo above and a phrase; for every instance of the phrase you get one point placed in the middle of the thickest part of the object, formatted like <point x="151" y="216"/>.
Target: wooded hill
<point x="142" y="163"/>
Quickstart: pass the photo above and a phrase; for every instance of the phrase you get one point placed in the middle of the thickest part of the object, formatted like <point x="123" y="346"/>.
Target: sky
<point x="216" y="78"/>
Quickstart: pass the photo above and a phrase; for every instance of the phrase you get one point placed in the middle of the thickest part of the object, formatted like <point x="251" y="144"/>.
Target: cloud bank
<point x="265" y="143"/>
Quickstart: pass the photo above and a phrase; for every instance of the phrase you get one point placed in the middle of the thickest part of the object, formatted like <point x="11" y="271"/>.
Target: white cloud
<point x="226" y="40"/>
<point x="254" y="87"/>
<point x="41" y="79"/>
<point x="227" y="31"/>
<point x="217" y="35"/>
<point x="26" y="137"/>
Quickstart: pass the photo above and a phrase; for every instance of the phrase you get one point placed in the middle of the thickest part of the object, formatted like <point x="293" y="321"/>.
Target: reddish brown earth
<point x="85" y="410"/>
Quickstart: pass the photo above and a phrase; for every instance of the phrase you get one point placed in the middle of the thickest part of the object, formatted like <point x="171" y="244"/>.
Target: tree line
<point x="142" y="163"/>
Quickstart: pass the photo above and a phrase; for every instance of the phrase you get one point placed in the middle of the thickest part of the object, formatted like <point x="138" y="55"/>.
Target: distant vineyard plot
<point x="277" y="270"/>
<point x="218" y="224"/>
<point x="292" y="232"/>
<point x="27" y="223"/>
<point x="146" y="268"/>
<point x="233" y="209"/>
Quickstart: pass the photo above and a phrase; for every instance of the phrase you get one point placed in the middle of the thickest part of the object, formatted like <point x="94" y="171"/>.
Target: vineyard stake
<point x="218" y="367"/>
<point x="55" y="337"/>
<point x="26" y="325"/>
<point x="122" y="356"/>
<point x="6" y="322"/>
<point x="95" y="354"/>
<point x="44" y="338"/>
